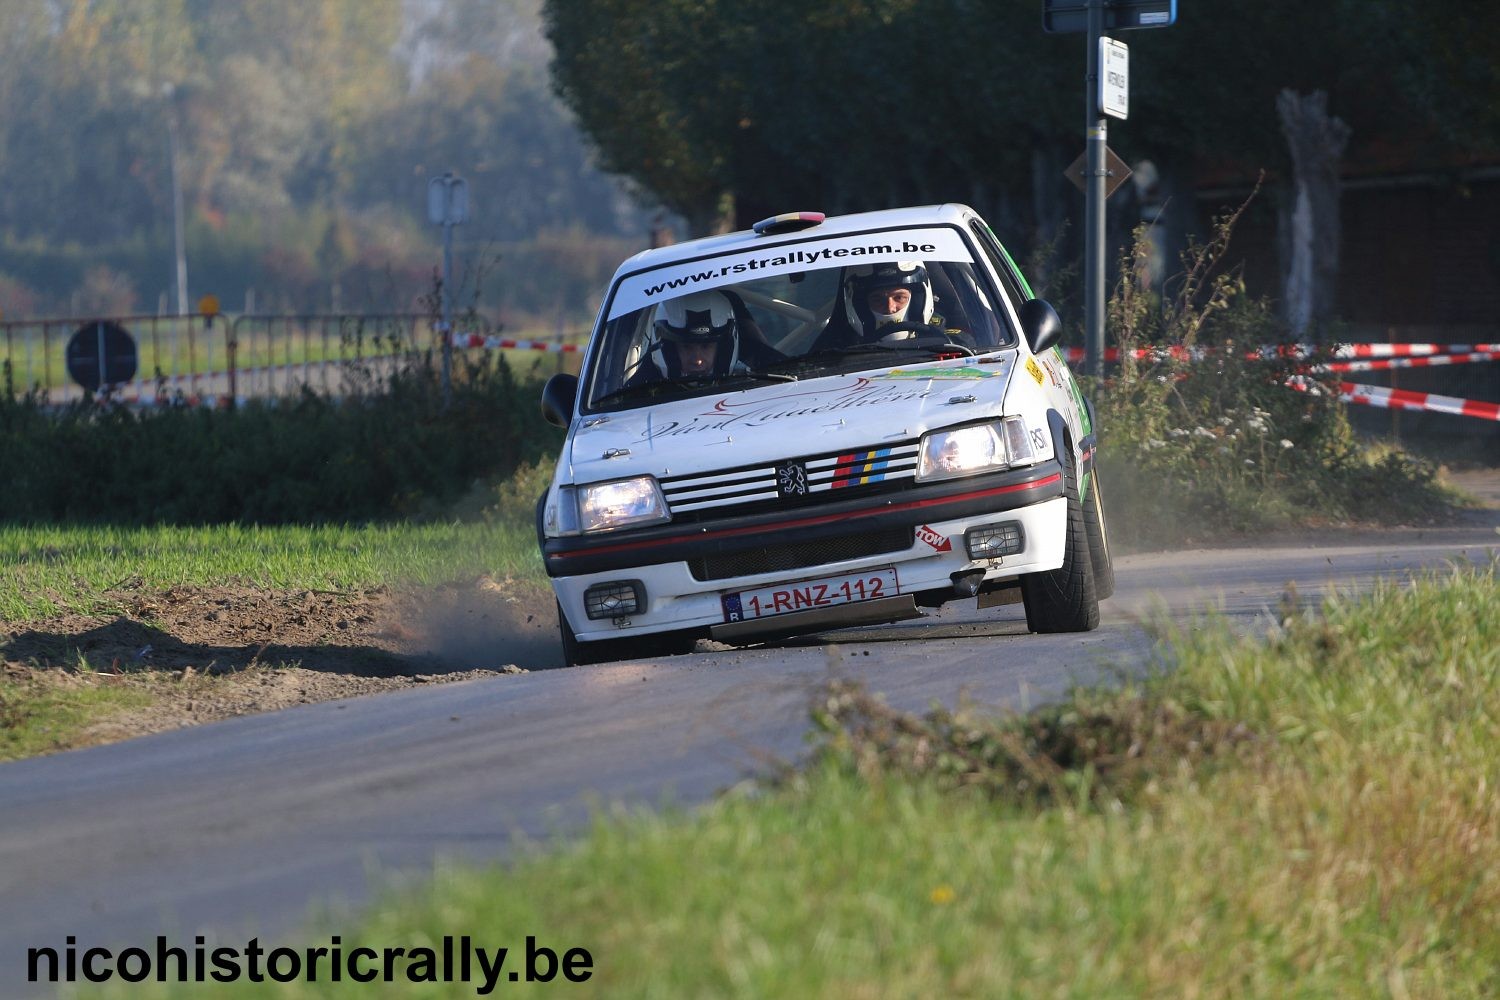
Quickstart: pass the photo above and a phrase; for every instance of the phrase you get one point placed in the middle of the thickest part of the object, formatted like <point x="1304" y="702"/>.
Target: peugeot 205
<point x="814" y="424"/>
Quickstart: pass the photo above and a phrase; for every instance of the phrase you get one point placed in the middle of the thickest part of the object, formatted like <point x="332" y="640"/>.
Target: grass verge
<point x="1310" y="812"/>
<point x="38" y="717"/>
<point x="53" y="569"/>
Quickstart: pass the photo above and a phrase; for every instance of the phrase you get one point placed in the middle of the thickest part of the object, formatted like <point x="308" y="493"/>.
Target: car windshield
<point x="687" y="330"/>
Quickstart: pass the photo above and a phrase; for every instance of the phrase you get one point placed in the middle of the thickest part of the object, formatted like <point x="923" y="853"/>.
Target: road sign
<point x="1119" y="172"/>
<point x="1062" y="16"/>
<point x="1114" y="78"/>
<point x="101" y="353"/>
<point x="447" y="200"/>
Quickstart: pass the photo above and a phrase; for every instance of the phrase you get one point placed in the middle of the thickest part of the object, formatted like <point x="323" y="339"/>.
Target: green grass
<point x="38" y="718"/>
<point x="49" y="569"/>
<point x="1341" y="839"/>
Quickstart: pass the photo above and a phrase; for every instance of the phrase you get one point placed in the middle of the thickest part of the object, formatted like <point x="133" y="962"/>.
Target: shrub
<point x="1209" y="436"/>
<point x="393" y="450"/>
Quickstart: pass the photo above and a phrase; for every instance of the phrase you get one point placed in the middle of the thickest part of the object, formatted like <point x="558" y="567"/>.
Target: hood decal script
<point x="727" y="413"/>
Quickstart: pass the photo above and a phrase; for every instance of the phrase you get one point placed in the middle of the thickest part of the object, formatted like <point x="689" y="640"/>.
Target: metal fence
<point x="198" y="358"/>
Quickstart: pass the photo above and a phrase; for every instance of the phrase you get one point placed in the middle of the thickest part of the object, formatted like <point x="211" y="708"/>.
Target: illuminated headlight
<point x="964" y="451"/>
<point x="625" y="503"/>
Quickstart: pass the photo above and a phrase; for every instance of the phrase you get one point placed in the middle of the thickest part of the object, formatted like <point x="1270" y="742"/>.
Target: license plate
<point x="808" y="595"/>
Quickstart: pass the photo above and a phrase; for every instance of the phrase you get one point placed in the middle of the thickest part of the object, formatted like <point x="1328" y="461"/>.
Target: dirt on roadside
<point x="208" y="653"/>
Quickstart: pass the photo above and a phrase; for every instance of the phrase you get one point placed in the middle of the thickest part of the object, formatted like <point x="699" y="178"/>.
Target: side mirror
<point x="558" y="398"/>
<point x="1040" y="324"/>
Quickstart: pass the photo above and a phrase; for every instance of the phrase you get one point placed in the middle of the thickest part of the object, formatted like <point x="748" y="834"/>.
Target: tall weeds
<point x="1205" y="435"/>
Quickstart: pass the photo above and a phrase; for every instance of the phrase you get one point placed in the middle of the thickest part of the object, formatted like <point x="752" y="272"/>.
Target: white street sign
<point x="1114" y="78"/>
<point x="447" y="200"/>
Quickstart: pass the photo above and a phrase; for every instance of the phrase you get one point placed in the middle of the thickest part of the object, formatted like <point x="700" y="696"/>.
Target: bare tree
<point x="1310" y="223"/>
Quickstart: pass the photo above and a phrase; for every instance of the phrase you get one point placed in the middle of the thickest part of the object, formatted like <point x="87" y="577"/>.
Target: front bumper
<point x="940" y="513"/>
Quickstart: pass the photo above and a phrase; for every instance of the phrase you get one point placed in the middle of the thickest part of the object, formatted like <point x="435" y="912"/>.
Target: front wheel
<point x="1065" y="599"/>
<point x="634" y="647"/>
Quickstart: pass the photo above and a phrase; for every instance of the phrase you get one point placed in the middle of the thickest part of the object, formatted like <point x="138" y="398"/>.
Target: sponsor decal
<point x="791" y="479"/>
<point x="1052" y="372"/>
<point x="1035" y="370"/>
<point x="860" y="467"/>
<point x="1039" y="439"/>
<point x="729" y="413"/>
<point x="937" y="243"/>
<point x="939" y="543"/>
<point x="941" y="373"/>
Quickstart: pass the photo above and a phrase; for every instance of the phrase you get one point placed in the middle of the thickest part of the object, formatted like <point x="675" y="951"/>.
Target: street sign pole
<point x="1097" y="132"/>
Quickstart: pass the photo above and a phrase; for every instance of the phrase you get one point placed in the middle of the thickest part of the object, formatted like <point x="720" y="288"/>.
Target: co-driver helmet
<point x="696" y="318"/>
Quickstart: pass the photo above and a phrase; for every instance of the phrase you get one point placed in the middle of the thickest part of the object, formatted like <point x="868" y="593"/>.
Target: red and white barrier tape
<point x="1403" y="399"/>
<point x="1411" y="350"/>
<point x="1345" y="351"/>
<point x="1429" y="361"/>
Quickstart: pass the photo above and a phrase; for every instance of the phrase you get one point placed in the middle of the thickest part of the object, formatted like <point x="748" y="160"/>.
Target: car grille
<point x="776" y="558"/>
<point x="800" y="482"/>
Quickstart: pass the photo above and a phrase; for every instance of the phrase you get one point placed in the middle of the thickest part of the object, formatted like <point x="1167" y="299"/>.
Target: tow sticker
<point x="939" y="543"/>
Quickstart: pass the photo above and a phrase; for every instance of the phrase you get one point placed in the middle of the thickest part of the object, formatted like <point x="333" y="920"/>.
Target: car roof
<point x="836" y="225"/>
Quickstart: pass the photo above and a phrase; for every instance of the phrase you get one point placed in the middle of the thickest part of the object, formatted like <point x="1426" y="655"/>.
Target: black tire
<point x="1064" y="599"/>
<point x="1093" y="520"/>
<point x="575" y="653"/>
<point x="637" y="647"/>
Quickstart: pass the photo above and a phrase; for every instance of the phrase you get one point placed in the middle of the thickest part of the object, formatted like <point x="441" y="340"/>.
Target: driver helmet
<point x="866" y="278"/>
<point x="699" y="318"/>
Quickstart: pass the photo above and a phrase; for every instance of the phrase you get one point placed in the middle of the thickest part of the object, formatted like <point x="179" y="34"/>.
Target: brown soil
<point x="216" y="652"/>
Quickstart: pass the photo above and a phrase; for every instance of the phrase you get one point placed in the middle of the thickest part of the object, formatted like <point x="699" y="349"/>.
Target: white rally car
<point x="815" y="424"/>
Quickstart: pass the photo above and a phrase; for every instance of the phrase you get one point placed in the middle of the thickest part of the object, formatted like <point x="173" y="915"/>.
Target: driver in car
<point x="877" y="296"/>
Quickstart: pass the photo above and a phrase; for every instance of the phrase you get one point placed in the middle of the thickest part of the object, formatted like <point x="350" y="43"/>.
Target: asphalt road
<point x="237" y="828"/>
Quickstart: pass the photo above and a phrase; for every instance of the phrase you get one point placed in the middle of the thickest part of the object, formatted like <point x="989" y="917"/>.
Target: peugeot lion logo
<point x="791" y="479"/>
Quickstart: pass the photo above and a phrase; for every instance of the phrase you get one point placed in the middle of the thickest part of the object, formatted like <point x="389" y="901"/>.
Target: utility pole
<point x="1097" y="129"/>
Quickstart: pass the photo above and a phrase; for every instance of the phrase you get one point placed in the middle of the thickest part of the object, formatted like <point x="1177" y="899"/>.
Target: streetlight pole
<point x="177" y="238"/>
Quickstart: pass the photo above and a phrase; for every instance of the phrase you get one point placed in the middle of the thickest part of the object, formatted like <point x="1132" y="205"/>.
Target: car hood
<point x="787" y="419"/>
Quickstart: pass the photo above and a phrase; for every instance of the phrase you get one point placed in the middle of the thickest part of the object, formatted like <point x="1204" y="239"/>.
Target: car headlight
<point x="963" y="451"/>
<point x="624" y="503"/>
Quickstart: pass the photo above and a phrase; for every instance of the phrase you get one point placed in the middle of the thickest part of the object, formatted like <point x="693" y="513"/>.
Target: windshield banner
<point x="663" y="283"/>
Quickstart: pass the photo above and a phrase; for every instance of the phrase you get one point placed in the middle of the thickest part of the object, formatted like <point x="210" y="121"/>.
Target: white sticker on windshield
<point x="663" y="283"/>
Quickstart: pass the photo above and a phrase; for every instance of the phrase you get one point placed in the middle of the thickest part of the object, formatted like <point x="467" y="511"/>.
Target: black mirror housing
<point x="559" y="396"/>
<point x="1040" y="323"/>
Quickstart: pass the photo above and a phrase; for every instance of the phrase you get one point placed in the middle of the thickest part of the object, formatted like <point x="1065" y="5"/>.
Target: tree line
<point x="303" y="134"/>
<point x="727" y="110"/>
